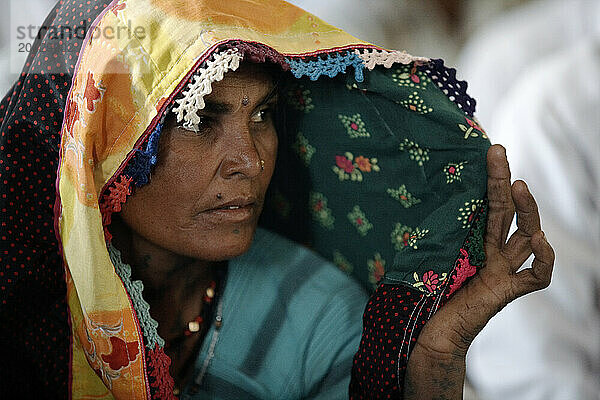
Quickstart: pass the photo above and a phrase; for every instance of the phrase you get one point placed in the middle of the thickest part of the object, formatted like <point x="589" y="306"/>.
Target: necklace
<point x="198" y="379"/>
<point x="194" y="326"/>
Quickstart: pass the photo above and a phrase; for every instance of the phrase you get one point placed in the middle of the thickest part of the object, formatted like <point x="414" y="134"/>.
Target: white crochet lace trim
<point x="135" y="289"/>
<point x="201" y="85"/>
<point x="387" y="58"/>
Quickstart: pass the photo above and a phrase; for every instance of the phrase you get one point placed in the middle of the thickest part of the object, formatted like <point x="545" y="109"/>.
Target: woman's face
<point x="207" y="191"/>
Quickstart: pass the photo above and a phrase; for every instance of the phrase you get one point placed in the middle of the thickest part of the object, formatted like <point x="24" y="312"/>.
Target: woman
<point x="336" y="149"/>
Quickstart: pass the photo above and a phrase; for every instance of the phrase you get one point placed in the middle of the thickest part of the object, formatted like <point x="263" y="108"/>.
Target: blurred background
<point x="534" y="68"/>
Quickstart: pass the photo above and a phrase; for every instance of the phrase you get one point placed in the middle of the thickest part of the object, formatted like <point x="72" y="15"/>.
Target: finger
<point x="518" y="249"/>
<point x="528" y="217"/>
<point x="501" y="207"/>
<point x="538" y="276"/>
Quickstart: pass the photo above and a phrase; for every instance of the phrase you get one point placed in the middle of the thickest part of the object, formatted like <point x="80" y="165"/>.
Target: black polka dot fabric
<point x="394" y="318"/>
<point x="34" y="328"/>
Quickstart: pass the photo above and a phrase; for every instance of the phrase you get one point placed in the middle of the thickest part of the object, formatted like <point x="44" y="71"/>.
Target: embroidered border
<point x="258" y="53"/>
<point x="157" y="361"/>
<point x="142" y="308"/>
<point x="329" y="64"/>
<point x="445" y="79"/>
<point x="192" y="97"/>
<point x="387" y="58"/>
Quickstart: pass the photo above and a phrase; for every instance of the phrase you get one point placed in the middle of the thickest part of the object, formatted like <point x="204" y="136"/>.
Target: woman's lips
<point x="236" y="210"/>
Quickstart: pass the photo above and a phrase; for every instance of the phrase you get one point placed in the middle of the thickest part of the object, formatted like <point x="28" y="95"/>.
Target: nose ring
<point x="262" y="165"/>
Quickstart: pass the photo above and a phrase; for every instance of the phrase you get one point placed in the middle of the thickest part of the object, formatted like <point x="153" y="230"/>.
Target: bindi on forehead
<point x="228" y="95"/>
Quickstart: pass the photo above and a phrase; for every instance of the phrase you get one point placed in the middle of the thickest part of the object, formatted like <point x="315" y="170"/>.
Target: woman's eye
<point x="261" y="115"/>
<point x="205" y="123"/>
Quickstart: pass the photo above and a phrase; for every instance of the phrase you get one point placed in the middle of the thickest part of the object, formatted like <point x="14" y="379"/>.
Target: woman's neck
<point x="162" y="271"/>
<point x="175" y="286"/>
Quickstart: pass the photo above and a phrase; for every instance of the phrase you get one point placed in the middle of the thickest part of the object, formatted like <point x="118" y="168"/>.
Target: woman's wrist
<point x="449" y="334"/>
<point x="432" y="374"/>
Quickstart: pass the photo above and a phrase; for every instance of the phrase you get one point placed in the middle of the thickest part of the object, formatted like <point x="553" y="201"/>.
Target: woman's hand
<point x="436" y="366"/>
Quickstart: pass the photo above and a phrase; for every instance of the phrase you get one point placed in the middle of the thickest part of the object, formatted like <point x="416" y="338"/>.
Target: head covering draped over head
<point x="381" y="169"/>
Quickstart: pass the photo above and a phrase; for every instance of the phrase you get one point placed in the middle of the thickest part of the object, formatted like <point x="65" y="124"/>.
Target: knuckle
<point x="502" y="203"/>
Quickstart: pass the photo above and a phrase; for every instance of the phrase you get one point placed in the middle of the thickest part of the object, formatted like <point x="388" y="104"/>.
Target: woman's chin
<point x="223" y="244"/>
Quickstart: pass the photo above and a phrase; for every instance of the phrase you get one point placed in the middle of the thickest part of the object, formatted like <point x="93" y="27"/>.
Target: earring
<point x="262" y="165"/>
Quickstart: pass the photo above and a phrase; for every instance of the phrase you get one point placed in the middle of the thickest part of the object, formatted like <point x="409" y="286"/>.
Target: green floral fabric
<point x="383" y="177"/>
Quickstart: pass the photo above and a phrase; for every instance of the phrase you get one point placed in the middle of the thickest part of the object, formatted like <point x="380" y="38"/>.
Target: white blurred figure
<point x="432" y="28"/>
<point x="550" y="124"/>
<point x="539" y="95"/>
<point x="15" y="35"/>
<point x="500" y="52"/>
<point x="421" y="28"/>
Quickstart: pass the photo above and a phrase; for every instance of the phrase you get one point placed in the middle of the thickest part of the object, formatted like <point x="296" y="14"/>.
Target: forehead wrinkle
<point x="215" y="106"/>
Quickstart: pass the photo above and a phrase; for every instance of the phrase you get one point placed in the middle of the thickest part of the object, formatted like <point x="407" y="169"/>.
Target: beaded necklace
<point x="195" y="325"/>
<point x="198" y="327"/>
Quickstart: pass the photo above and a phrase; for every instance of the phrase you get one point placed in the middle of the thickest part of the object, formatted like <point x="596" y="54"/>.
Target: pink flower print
<point x="451" y="170"/>
<point x="464" y="270"/>
<point x="473" y="124"/>
<point x="344" y="164"/>
<point x="413" y="75"/>
<point x="431" y="281"/>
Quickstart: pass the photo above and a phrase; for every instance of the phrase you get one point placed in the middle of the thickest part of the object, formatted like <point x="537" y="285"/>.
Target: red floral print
<point x="318" y="206"/>
<point x="344" y="164"/>
<point x="379" y="270"/>
<point x="118" y="7"/>
<point x="464" y="270"/>
<point x="431" y="280"/>
<point x="72" y="116"/>
<point x="413" y="75"/>
<point x="122" y="353"/>
<point x="473" y="124"/>
<point x="92" y="93"/>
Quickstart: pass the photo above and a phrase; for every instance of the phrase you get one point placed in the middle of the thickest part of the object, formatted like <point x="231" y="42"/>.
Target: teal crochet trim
<point x="331" y="65"/>
<point x="142" y="308"/>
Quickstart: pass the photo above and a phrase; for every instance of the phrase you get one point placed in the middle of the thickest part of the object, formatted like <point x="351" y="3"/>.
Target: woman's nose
<point x="241" y="157"/>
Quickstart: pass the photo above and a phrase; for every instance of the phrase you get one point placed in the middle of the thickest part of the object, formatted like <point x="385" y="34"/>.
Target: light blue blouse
<point x="291" y="325"/>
